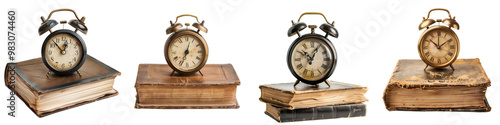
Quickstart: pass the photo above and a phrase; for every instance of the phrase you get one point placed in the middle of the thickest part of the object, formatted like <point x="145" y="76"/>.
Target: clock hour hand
<point x="314" y="53"/>
<point x="306" y="54"/>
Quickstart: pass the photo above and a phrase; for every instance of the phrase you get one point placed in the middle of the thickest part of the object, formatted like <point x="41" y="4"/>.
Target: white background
<point x="251" y="36"/>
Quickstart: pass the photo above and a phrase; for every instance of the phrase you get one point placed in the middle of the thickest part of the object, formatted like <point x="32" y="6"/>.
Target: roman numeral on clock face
<point x="297" y="59"/>
<point x="304" y="45"/>
<point x="324" y="66"/>
<point x="299" y="66"/>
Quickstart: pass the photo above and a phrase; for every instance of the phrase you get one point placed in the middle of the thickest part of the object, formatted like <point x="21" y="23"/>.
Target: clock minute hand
<point x="443" y="43"/>
<point x="58" y="46"/>
<point x="434" y="43"/>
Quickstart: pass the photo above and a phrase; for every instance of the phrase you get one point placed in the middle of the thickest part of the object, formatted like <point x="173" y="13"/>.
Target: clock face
<point x="439" y="47"/>
<point x="63" y="52"/>
<point x="186" y="52"/>
<point x="311" y="59"/>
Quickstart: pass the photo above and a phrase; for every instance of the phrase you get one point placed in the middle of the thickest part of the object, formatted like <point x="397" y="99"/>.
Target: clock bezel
<point x="82" y="59"/>
<point x="422" y="39"/>
<point x="332" y="51"/>
<point x="181" y="33"/>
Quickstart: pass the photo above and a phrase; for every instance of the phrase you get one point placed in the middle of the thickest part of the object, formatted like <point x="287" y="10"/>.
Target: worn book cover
<point x="45" y="95"/>
<point x="159" y="87"/>
<point x="281" y="114"/>
<point x="411" y="88"/>
<point x="304" y="95"/>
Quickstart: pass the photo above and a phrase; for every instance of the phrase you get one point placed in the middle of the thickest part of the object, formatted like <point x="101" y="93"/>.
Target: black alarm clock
<point x="63" y="51"/>
<point x="312" y="57"/>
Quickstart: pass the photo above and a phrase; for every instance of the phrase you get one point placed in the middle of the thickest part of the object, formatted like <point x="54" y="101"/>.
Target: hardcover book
<point x="282" y="114"/>
<point x="411" y="88"/>
<point x="158" y="87"/>
<point x="45" y="95"/>
<point x="305" y="96"/>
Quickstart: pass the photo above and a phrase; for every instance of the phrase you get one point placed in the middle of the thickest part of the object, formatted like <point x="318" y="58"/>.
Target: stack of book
<point x="45" y="95"/>
<point x="411" y="88"/>
<point x="287" y="103"/>
<point x="158" y="87"/>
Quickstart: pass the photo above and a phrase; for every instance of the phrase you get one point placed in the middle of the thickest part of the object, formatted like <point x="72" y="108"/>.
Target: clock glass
<point x="439" y="47"/>
<point x="186" y="52"/>
<point x="311" y="59"/>
<point x="63" y="52"/>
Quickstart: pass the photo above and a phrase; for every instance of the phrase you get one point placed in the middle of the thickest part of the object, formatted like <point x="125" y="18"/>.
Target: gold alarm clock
<point x="186" y="51"/>
<point x="63" y="51"/>
<point x="438" y="45"/>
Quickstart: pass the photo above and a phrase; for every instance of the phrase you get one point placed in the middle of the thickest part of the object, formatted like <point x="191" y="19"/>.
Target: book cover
<point x="411" y="88"/>
<point x="31" y="83"/>
<point x="159" y="87"/>
<point x="281" y="114"/>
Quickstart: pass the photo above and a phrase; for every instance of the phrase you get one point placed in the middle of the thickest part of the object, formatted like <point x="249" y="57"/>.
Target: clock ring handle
<point x="58" y="10"/>
<point x="313" y="13"/>
<point x="438" y="9"/>
<point x="186" y="15"/>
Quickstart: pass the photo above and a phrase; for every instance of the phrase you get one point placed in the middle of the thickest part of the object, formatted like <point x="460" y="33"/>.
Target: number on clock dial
<point x="62" y="52"/>
<point x="439" y="47"/>
<point x="186" y="52"/>
<point x="311" y="59"/>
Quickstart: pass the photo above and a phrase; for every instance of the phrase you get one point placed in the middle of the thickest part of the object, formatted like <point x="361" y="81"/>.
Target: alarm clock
<point x="438" y="46"/>
<point x="63" y="51"/>
<point x="186" y="51"/>
<point x="312" y="57"/>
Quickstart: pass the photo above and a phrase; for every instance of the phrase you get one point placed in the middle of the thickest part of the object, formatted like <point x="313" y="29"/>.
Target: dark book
<point x="45" y="95"/>
<point x="158" y="88"/>
<point x="282" y="114"/>
<point x="411" y="88"/>
<point x="305" y="95"/>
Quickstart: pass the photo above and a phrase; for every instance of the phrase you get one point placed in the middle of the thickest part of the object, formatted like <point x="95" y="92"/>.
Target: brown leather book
<point x="158" y="87"/>
<point x="45" y="95"/>
<point x="306" y="96"/>
<point x="411" y="88"/>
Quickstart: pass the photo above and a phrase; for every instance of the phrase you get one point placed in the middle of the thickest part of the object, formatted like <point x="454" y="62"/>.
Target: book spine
<point x="327" y="112"/>
<point x="9" y="76"/>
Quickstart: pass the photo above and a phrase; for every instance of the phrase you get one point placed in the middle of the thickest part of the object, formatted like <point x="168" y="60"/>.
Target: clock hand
<point x="434" y="43"/>
<point x="65" y="46"/>
<point x="186" y="53"/>
<point x="306" y="54"/>
<point x="442" y="44"/>
<point x="57" y="46"/>
<point x="315" y="51"/>
<point x="314" y="54"/>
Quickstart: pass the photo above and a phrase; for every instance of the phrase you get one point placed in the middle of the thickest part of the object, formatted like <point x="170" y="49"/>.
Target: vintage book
<point x="45" y="95"/>
<point x="281" y="114"/>
<point x="158" y="87"/>
<point x="305" y="95"/>
<point x="411" y="88"/>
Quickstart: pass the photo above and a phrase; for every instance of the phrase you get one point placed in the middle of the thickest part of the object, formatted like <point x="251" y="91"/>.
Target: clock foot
<point x="296" y="82"/>
<point x="426" y="67"/>
<point x="171" y="74"/>
<point x="451" y="65"/>
<point x="78" y="73"/>
<point x="200" y="72"/>
<point x="327" y="83"/>
<point x="48" y="73"/>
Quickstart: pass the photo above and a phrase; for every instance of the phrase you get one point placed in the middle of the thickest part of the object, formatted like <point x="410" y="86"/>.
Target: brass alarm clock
<point x="63" y="51"/>
<point x="186" y="51"/>
<point x="312" y="57"/>
<point x="438" y="45"/>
